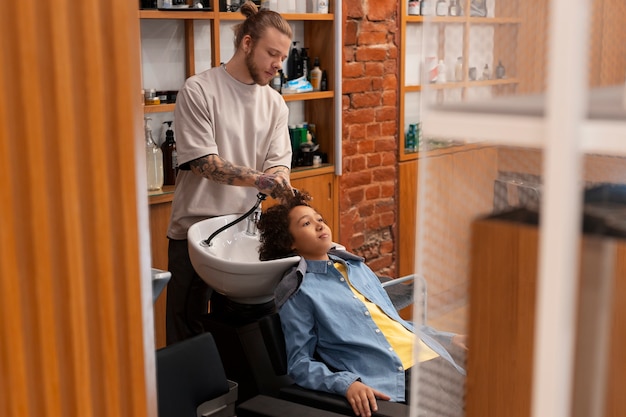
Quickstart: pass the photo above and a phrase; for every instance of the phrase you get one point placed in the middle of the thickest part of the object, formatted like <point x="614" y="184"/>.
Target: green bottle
<point x="410" y="139"/>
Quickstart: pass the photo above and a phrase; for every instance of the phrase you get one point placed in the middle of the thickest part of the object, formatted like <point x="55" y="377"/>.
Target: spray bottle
<point x="170" y="163"/>
<point x="154" y="160"/>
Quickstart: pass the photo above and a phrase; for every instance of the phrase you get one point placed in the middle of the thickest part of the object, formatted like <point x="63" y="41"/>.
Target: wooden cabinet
<point x="160" y="211"/>
<point x="502" y="321"/>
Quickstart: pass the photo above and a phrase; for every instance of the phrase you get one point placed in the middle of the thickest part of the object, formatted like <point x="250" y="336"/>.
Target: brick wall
<point x="367" y="206"/>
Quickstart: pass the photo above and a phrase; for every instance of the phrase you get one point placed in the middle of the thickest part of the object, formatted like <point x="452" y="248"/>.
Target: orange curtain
<point x="72" y="333"/>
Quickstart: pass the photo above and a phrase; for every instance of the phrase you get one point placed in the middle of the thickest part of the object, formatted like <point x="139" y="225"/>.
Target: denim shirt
<point x="331" y="339"/>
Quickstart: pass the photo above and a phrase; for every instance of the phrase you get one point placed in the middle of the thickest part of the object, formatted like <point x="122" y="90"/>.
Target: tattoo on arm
<point x="217" y="169"/>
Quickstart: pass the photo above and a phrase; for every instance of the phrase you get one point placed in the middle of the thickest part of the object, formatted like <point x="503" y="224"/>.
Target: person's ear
<point x="246" y="43"/>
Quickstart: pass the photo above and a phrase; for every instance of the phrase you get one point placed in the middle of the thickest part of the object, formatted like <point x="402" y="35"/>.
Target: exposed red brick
<point x="374" y="69"/>
<point x="355" y="196"/>
<point x="356" y="179"/>
<point x="380" y="263"/>
<point x="387" y="219"/>
<point x="371" y="53"/>
<point x="372" y="192"/>
<point x="385" y="174"/>
<point x="387" y="144"/>
<point x="356" y="163"/>
<point x="357" y="241"/>
<point x="353" y="9"/>
<point x="371" y="38"/>
<point x="354" y="69"/>
<point x="356" y="85"/>
<point x="367" y="99"/>
<point x="386" y="247"/>
<point x="350" y="30"/>
<point x="367" y="189"/>
<point x="374" y="160"/>
<point x="359" y="116"/>
<point x="366" y="146"/>
<point x="390" y="98"/>
<point x="388" y="128"/>
<point x="373" y="130"/>
<point x="386" y="113"/>
<point x="381" y="10"/>
<point x="357" y="132"/>
<point x="366" y="210"/>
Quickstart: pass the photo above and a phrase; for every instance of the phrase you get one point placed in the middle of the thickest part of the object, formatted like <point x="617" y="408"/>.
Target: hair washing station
<point x="246" y="327"/>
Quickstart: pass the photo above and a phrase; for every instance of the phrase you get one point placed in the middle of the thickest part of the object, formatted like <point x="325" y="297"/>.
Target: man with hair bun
<point x="232" y="142"/>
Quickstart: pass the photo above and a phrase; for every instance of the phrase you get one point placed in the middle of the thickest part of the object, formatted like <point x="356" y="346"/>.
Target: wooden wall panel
<point x="502" y="319"/>
<point x="72" y="339"/>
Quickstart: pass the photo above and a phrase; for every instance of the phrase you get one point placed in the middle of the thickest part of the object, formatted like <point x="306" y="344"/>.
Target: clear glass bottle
<point x="441" y="8"/>
<point x="154" y="160"/>
<point x="458" y="69"/>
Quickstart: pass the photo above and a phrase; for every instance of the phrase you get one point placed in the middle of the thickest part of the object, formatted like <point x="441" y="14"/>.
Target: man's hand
<point x="362" y="398"/>
<point x="274" y="185"/>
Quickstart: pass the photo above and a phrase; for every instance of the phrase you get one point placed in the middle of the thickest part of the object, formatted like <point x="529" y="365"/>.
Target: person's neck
<point x="237" y="69"/>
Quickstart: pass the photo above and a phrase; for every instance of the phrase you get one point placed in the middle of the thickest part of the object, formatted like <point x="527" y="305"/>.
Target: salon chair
<point x="191" y="381"/>
<point x="401" y="292"/>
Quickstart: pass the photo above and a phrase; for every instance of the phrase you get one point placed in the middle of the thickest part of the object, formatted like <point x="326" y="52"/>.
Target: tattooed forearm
<point x="221" y="171"/>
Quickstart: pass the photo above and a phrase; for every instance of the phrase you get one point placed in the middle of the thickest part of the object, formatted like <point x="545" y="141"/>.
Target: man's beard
<point x="257" y="75"/>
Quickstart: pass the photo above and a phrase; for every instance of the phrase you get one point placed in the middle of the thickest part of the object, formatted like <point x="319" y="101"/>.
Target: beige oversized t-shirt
<point x="244" y="124"/>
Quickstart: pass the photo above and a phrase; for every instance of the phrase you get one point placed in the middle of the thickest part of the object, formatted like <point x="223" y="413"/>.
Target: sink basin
<point x="231" y="265"/>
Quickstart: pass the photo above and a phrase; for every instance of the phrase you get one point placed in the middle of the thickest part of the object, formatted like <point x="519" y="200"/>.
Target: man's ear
<point x="246" y="43"/>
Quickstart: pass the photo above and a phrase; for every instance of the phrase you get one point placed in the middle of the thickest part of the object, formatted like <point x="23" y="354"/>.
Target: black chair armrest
<point x="338" y="404"/>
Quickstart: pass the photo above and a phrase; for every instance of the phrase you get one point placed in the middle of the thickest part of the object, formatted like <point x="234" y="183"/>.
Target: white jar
<point x="414" y="8"/>
<point x="321" y="6"/>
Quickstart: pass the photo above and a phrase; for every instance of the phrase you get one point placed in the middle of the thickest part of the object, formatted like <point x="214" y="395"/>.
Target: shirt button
<point x="390" y="349"/>
<point x="354" y="296"/>
<point x="330" y="263"/>
<point x="377" y="330"/>
<point x="400" y="368"/>
<point x="341" y="279"/>
<point x="367" y="313"/>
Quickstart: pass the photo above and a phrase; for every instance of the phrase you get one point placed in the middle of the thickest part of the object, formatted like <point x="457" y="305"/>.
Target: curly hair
<point x="273" y="226"/>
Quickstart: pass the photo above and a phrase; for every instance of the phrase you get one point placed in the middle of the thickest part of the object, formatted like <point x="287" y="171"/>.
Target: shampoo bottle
<point x="170" y="163"/>
<point x="154" y="160"/>
<point x="294" y="63"/>
<point x="316" y="75"/>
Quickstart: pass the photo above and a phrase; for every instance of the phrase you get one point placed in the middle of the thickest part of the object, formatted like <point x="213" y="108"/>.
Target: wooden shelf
<point x="178" y="14"/>
<point x="226" y="16"/>
<point x="158" y="108"/>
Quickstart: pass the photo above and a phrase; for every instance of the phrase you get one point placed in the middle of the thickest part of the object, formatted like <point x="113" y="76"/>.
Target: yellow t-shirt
<point x="400" y="339"/>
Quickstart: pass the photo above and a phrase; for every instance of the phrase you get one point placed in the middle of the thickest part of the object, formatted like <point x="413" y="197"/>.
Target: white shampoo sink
<point x="231" y="265"/>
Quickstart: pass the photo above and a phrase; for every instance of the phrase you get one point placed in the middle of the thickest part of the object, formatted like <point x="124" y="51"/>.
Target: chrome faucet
<point x="253" y="219"/>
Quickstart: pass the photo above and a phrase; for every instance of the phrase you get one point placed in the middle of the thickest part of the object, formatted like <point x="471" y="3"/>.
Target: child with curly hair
<point x="342" y="332"/>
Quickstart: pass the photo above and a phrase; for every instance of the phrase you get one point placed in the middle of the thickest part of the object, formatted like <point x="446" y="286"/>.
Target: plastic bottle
<point x="410" y="139"/>
<point x="500" y="71"/>
<point x="455" y="8"/>
<point x="320" y="6"/>
<point x="294" y="63"/>
<point x="316" y="75"/>
<point x="170" y="163"/>
<point x="414" y="8"/>
<point x="306" y="63"/>
<point x="324" y="81"/>
<point x="154" y="160"/>
<point x="441" y="72"/>
<point x="458" y="69"/>
<point x="486" y="73"/>
<point x="442" y="8"/>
